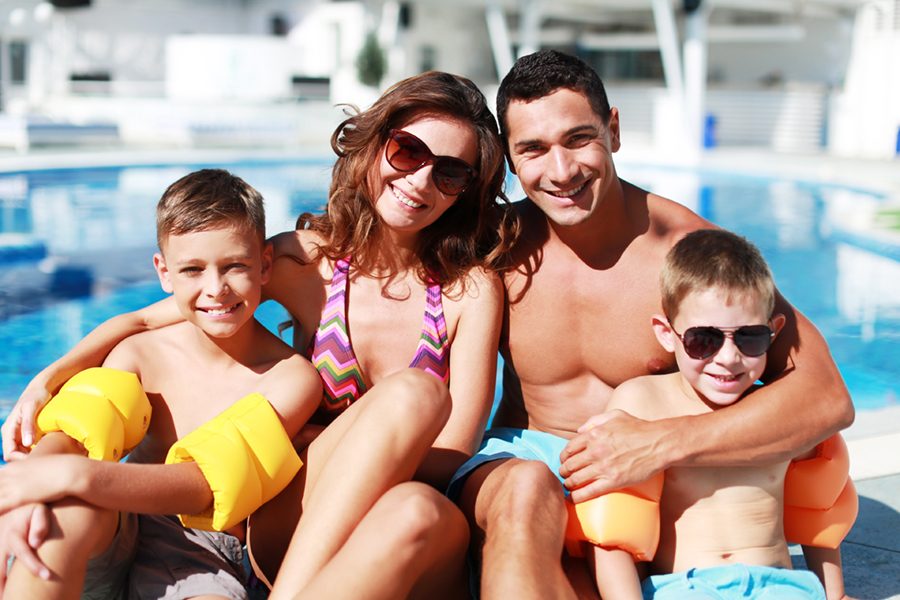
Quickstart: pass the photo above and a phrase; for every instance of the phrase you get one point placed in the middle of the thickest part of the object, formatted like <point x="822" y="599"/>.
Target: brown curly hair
<point x="477" y="230"/>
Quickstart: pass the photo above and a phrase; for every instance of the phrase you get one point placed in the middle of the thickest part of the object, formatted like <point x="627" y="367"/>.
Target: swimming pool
<point x="100" y="224"/>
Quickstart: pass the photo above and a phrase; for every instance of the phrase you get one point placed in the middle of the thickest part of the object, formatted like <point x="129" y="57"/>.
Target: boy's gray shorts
<point x="155" y="557"/>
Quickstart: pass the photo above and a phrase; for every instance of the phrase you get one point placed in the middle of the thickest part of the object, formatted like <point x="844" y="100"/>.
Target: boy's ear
<point x="665" y="335"/>
<point x="162" y="271"/>
<point x="266" y="268"/>
<point x="778" y="320"/>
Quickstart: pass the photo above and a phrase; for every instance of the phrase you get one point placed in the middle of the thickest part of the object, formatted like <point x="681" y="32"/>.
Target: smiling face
<point x="562" y="153"/>
<point x="216" y="277"/>
<point x="409" y="202"/>
<point x="721" y="379"/>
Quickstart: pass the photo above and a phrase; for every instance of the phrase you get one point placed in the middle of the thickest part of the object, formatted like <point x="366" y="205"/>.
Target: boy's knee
<point x="77" y="524"/>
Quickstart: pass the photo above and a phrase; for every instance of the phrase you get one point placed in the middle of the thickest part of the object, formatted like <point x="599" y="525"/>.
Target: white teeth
<point x="219" y="311"/>
<point x="404" y="200"/>
<point x="568" y="193"/>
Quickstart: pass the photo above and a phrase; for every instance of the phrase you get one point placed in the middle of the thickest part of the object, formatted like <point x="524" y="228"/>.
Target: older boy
<point x="214" y="259"/>
<point x="587" y="271"/>
<point x="720" y="527"/>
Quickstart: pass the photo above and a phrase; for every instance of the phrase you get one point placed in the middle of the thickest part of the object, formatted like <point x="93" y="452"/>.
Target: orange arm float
<point x="820" y="502"/>
<point x="627" y="519"/>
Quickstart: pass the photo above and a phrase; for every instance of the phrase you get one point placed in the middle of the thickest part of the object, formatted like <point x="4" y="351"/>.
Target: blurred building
<point x="796" y="76"/>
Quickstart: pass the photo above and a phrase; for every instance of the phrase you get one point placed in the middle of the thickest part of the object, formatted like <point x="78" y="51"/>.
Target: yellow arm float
<point x="820" y="501"/>
<point x="106" y="410"/>
<point x="627" y="519"/>
<point x="245" y="456"/>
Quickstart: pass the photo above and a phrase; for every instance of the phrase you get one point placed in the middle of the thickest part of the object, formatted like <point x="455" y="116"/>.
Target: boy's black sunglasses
<point x="407" y="153"/>
<point x="703" y="342"/>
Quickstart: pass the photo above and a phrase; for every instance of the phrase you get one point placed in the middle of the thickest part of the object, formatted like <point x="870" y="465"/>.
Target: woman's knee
<point x="422" y="518"/>
<point x="417" y="396"/>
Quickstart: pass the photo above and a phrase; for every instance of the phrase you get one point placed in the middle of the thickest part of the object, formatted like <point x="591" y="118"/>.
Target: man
<point x="580" y="301"/>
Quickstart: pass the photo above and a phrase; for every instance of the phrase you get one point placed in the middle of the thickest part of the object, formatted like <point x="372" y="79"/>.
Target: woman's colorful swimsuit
<point x="332" y="353"/>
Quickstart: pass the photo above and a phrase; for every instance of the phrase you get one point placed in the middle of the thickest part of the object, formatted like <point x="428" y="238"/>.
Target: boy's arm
<point x="826" y="564"/>
<point x="155" y="489"/>
<point x="616" y="574"/>
<point x="18" y="430"/>
<point x="802" y="379"/>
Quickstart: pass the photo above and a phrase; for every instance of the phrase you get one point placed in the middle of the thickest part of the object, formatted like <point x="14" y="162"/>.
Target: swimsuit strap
<point x="432" y="353"/>
<point x="332" y="353"/>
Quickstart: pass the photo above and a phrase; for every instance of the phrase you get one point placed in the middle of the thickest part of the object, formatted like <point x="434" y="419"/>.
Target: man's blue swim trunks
<point x="509" y="442"/>
<point x="740" y="582"/>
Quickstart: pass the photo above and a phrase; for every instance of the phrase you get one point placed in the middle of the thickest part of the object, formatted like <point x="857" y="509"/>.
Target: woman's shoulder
<point x="479" y="285"/>
<point x="302" y="245"/>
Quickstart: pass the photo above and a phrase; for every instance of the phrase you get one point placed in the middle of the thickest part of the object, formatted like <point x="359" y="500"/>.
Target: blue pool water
<point x="100" y="225"/>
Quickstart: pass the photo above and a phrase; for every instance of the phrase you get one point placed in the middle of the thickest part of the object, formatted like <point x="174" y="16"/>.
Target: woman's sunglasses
<point x="407" y="153"/>
<point x="703" y="342"/>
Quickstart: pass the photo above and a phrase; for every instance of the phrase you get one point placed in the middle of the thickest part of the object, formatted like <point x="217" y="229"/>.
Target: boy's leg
<point x="411" y="544"/>
<point x="175" y="562"/>
<point x="516" y="509"/>
<point x="375" y="444"/>
<point x="77" y="533"/>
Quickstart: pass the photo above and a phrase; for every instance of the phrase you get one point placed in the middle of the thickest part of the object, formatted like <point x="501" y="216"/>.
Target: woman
<point x="411" y="228"/>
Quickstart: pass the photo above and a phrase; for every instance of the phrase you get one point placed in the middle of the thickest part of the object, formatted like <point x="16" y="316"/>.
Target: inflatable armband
<point x="245" y="456"/>
<point x="627" y="519"/>
<point x="104" y="409"/>
<point x="820" y="501"/>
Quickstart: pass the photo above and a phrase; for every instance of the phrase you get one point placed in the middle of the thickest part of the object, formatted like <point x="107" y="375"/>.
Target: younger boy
<point x="721" y="531"/>
<point x="111" y="530"/>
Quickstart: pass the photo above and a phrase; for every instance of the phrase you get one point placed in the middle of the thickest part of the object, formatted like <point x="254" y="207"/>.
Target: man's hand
<point x="40" y="479"/>
<point x="22" y="531"/>
<point x="18" y="430"/>
<point x="612" y="450"/>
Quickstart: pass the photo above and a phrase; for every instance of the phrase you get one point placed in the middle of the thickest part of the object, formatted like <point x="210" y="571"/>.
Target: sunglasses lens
<point x="702" y="342"/>
<point x="451" y="176"/>
<point x="406" y="152"/>
<point x="753" y="340"/>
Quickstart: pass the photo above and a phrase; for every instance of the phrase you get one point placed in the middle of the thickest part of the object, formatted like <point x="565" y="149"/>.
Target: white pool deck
<point x="872" y="550"/>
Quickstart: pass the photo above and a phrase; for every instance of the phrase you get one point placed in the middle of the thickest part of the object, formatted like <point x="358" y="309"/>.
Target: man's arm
<point x="804" y="402"/>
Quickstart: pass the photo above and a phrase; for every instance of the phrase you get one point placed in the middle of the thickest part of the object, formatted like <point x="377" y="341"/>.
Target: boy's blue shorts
<point x="509" y="442"/>
<point x="741" y="582"/>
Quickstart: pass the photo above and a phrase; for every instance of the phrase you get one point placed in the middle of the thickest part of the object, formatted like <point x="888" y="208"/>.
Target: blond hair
<point x="714" y="258"/>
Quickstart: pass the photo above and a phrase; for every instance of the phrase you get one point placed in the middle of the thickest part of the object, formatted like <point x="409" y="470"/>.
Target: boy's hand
<point x="611" y="450"/>
<point x="22" y="531"/>
<point x="18" y="430"/>
<point x="40" y="479"/>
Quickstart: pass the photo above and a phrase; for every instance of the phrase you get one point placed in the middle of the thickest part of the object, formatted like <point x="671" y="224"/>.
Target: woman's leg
<point x="411" y="544"/>
<point x="375" y="444"/>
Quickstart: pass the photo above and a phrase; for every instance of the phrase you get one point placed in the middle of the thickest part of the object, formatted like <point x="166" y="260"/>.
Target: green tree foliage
<point x="371" y="63"/>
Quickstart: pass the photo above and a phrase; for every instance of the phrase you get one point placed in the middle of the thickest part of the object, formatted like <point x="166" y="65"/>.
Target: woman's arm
<point x="473" y="371"/>
<point x="18" y="430"/>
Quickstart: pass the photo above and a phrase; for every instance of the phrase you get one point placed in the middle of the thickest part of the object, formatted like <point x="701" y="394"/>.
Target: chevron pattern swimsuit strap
<point x="332" y="354"/>
<point x="432" y="353"/>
